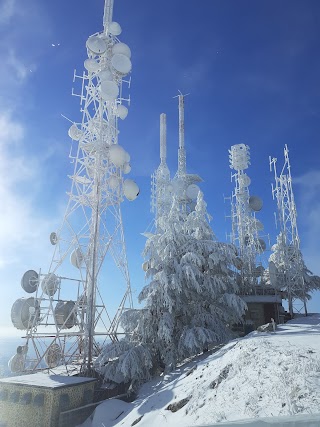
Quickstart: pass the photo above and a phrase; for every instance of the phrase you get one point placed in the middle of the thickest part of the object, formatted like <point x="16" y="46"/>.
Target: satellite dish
<point x="25" y="313"/>
<point x="114" y="182"/>
<point x="50" y="284"/>
<point x="255" y="203"/>
<point x="261" y="245"/>
<point x="77" y="258"/>
<point x="117" y="155"/>
<point x="121" y="64"/>
<point x="145" y="266"/>
<point x="105" y="75"/>
<point x="122" y="111"/>
<point x="53" y="238"/>
<point x="16" y="363"/>
<point x="126" y="168"/>
<point x="96" y="45"/>
<point x="53" y="355"/>
<point x="91" y="65"/>
<point x="74" y="132"/>
<point x="109" y="90"/>
<point x="30" y="281"/>
<point x="115" y="28"/>
<point x="130" y="189"/>
<point x="244" y="180"/>
<point x="258" y="224"/>
<point x="273" y="274"/>
<point x="193" y="191"/>
<point x="121" y="48"/>
<point x="65" y="314"/>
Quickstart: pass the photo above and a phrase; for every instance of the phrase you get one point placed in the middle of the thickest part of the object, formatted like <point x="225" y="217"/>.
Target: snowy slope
<point x="261" y="375"/>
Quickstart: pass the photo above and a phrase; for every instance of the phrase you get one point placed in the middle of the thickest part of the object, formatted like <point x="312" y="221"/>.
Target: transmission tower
<point x="67" y="319"/>
<point x="245" y="225"/>
<point x="288" y="270"/>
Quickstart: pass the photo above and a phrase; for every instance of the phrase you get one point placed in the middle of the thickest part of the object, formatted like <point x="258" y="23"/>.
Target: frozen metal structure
<point x="67" y="318"/>
<point x="245" y="225"/>
<point x="287" y="273"/>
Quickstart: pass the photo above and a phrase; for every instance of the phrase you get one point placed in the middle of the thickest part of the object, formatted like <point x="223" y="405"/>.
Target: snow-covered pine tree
<point x="188" y="303"/>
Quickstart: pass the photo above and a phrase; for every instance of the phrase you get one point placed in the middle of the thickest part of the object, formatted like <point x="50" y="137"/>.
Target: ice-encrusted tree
<point x="189" y="302"/>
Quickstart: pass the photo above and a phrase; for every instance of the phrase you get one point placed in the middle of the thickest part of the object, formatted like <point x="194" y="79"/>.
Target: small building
<point x="37" y="400"/>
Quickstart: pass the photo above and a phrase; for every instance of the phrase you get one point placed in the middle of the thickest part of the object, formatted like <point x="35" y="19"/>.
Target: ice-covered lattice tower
<point x="79" y="301"/>
<point x="286" y="267"/>
<point x="245" y="225"/>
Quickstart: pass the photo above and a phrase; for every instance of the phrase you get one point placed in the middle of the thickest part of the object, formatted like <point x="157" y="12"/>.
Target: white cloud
<point x="7" y="11"/>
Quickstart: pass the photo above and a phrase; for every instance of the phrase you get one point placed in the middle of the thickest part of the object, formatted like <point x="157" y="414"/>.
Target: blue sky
<point x="252" y="70"/>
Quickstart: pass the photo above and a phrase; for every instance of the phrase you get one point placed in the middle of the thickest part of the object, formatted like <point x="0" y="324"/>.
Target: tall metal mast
<point x="288" y="260"/>
<point x="182" y="159"/>
<point x="68" y="314"/>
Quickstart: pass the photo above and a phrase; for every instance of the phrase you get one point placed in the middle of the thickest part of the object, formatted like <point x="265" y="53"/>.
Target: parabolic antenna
<point x="16" y="363"/>
<point x="25" y="313"/>
<point x="244" y="180"/>
<point x="96" y="45"/>
<point x="130" y="189"/>
<point x="76" y="258"/>
<point x="273" y="274"/>
<point x="121" y="64"/>
<point x="121" y="48"/>
<point x="53" y="355"/>
<point x="53" y="238"/>
<point x="50" y="284"/>
<point x="126" y="168"/>
<point x="193" y="191"/>
<point x="65" y="314"/>
<point x="74" y="132"/>
<point x="109" y="90"/>
<point x="258" y="224"/>
<point x="115" y="28"/>
<point x="29" y="281"/>
<point x="145" y="266"/>
<point x="122" y="111"/>
<point x="91" y="65"/>
<point x="255" y="203"/>
<point x="105" y="75"/>
<point x="117" y="155"/>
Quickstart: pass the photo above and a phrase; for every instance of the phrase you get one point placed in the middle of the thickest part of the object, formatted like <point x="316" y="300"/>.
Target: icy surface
<point x="262" y="375"/>
<point x="45" y="380"/>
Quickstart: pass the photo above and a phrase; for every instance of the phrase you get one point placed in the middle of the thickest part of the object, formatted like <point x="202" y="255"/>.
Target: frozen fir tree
<point x="189" y="303"/>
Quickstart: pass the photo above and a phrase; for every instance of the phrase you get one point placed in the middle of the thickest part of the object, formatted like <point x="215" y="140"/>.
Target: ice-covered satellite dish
<point x="258" y="224"/>
<point x="74" y="132"/>
<point x="238" y="263"/>
<point x="193" y="191"/>
<point x="130" y="189"/>
<point x="53" y="238"/>
<point x="273" y="274"/>
<point x="25" y="313"/>
<point x="244" y="180"/>
<point x="53" y="355"/>
<point x="145" y="266"/>
<point x="121" y="48"/>
<point x="50" y="284"/>
<point x="76" y="258"/>
<point x="122" y="111"/>
<point x="16" y="363"/>
<point x="114" y="182"/>
<point x="127" y="157"/>
<point x="105" y="75"/>
<point x="91" y="65"/>
<point x="96" y="45"/>
<point x="117" y="155"/>
<point x="261" y="245"/>
<point x="255" y="203"/>
<point x="121" y="64"/>
<point x="115" y="28"/>
<point x="30" y="281"/>
<point x="109" y="90"/>
<point x="65" y="314"/>
<point x="126" y="168"/>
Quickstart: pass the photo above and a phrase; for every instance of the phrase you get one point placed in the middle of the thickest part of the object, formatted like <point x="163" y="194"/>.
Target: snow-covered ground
<point x="261" y="375"/>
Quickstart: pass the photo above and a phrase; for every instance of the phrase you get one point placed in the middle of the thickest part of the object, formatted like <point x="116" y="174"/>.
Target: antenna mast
<point x="182" y="160"/>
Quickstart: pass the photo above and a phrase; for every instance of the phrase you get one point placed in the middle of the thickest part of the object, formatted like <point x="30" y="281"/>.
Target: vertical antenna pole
<point x="181" y="153"/>
<point x="107" y="15"/>
<point x="163" y="138"/>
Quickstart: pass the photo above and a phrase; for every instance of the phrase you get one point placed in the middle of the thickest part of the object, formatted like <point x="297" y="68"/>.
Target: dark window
<point x="64" y="403"/>
<point x="87" y="396"/>
<point x="26" y="399"/>
<point x="15" y="396"/>
<point x="3" y="395"/>
<point x="38" y="399"/>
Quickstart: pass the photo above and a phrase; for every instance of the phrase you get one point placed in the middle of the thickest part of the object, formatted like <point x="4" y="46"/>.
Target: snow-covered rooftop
<point x="40" y="379"/>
